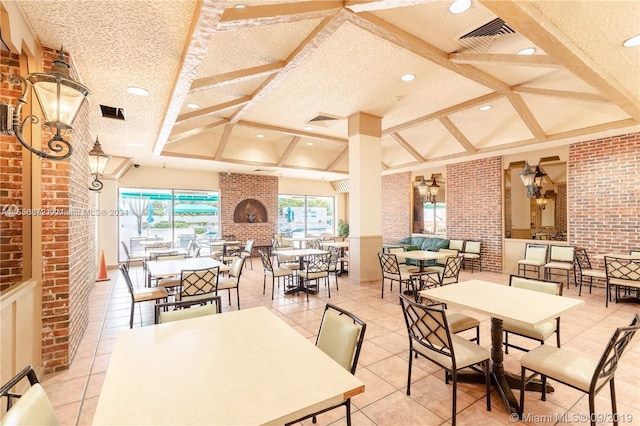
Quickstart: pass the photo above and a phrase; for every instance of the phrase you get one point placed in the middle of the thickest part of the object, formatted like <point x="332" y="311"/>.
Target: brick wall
<point x="604" y="205"/>
<point x="561" y="208"/>
<point x="68" y="242"/>
<point x="235" y="188"/>
<point x="396" y="205"/>
<point x="10" y="184"/>
<point x="68" y="246"/>
<point x="474" y="206"/>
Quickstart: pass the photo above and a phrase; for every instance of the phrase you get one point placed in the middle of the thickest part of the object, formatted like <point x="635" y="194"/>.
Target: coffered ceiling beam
<point x="212" y="109"/>
<point x="321" y="33"/>
<point x="281" y="13"/>
<point x="407" y="147"/>
<point x="444" y="112"/>
<point x="457" y="133"/>
<point x="543" y="61"/>
<point x="206" y="16"/>
<point x="235" y="76"/>
<point x="372" y="5"/>
<point x="287" y="152"/>
<point x="527" y="116"/>
<point x="293" y="132"/>
<point x="338" y="158"/>
<point x="579" y="96"/>
<point x="197" y="130"/>
<point x="223" y="141"/>
<point x="405" y="40"/>
<point x="526" y="19"/>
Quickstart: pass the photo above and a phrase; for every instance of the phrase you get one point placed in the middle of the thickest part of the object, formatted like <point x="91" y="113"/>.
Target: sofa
<point x="424" y="243"/>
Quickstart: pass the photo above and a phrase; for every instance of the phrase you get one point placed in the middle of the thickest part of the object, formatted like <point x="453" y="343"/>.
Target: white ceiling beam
<point x="579" y="96"/>
<point x="293" y="132"/>
<point x="526" y="19"/>
<point x="407" y="147"/>
<point x="212" y="109"/>
<point x="223" y="141"/>
<point x="206" y="16"/>
<point x="543" y="61"/>
<point x="527" y="116"/>
<point x="457" y="133"/>
<point x="280" y="13"/>
<point x="197" y="131"/>
<point x="287" y="152"/>
<point x="235" y="76"/>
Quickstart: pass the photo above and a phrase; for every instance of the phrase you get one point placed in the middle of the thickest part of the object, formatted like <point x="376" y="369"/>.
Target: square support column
<point x="365" y="196"/>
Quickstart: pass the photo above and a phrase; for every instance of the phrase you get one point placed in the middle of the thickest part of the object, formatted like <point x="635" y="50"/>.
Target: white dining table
<point x="502" y="302"/>
<point x="244" y="367"/>
<point x="420" y="256"/>
<point x="157" y="269"/>
<point x="300" y="254"/>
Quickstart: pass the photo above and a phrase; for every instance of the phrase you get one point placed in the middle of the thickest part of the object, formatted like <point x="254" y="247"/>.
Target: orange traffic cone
<point x="102" y="270"/>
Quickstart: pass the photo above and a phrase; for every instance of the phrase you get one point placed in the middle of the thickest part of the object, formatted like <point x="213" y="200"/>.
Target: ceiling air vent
<point x="480" y="39"/>
<point x="323" y="119"/>
<point x="112" y="112"/>
<point x="341" y="186"/>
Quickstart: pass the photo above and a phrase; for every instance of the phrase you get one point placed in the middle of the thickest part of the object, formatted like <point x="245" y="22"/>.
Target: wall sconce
<point x="428" y="192"/>
<point x="97" y="163"/>
<point x="542" y="202"/>
<point x="60" y="99"/>
<point x="532" y="180"/>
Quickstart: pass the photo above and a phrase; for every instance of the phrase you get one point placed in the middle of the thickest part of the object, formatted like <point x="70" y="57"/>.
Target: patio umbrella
<point x="150" y="217"/>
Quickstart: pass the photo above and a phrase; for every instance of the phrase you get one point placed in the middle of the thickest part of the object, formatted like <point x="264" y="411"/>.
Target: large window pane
<point x="167" y="215"/>
<point x="299" y="215"/>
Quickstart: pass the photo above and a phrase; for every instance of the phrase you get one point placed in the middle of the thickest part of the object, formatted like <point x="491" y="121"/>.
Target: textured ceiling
<point x="271" y="67"/>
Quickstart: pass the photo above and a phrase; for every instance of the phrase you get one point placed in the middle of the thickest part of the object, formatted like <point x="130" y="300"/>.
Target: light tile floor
<point x="383" y="362"/>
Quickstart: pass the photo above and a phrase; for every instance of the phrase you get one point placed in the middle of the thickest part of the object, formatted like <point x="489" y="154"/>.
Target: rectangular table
<point x="157" y="269"/>
<point x="420" y="256"/>
<point x="341" y="245"/>
<point x="501" y="302"/>
<point x="243" y="367"/>
<point x="300" y="254"/>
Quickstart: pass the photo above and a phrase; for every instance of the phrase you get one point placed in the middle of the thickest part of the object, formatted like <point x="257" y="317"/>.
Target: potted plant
<point x="343" y="228"/>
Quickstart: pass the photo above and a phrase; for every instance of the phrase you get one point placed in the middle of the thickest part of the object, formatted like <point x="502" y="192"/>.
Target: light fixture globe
<point x="60" y="99"/>
<point x="97" y="163"/>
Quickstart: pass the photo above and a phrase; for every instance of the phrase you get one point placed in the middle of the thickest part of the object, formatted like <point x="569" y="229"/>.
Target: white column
<point x="365" y="197"/>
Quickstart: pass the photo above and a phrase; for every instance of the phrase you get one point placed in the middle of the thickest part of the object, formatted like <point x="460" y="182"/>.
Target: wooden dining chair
<point x="340" y="336"/>
<point x="32" y="407"/>
<point x="430" y="337"/>
<point x="577" y="370"/>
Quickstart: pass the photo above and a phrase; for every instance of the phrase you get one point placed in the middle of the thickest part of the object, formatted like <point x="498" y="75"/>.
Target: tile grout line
<point x="95" y="352"/>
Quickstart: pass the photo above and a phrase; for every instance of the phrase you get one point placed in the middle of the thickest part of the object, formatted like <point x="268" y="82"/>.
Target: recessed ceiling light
<point x="308" y="127"/>
<point x="309" y="143"/>
<point x="260" y="135"/>
<point x="459" y="6"/>
<point x="485" y="107"/>
<point x="239" y="6"/>
<point x="527" y="51"/>
<point x="407" y="77"/>
<point x="633" y="41"/>
<point x="138" y="91"/>
<point x="193" y="106"/>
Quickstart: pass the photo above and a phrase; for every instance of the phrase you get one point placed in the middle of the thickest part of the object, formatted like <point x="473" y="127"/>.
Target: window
<point x="305" y="214"/>
<point x="170" y="215"/>
<point x="435" y="218"/>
